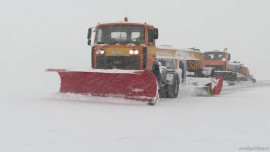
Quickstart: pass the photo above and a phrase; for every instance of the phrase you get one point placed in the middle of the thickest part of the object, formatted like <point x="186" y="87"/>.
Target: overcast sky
<point x="35" y="35"/>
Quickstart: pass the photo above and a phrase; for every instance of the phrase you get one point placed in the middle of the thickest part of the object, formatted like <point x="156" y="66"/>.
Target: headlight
<point x="223" y="59"/>
<point x="100" y="52"/>
<point x="131" y="51"/>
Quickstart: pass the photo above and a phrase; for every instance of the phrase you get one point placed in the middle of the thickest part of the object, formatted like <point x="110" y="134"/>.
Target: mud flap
<point x="136" y="85"/>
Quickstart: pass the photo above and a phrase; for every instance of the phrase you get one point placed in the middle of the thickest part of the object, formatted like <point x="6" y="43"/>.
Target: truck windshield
<point x="122" y="34"/>
<point x="213" y="55"/>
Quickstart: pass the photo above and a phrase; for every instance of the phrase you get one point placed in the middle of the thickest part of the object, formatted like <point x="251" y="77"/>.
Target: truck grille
<point x="227" y="75"/>
<point x="118" y="62"/>
<point x="217" y="67"/>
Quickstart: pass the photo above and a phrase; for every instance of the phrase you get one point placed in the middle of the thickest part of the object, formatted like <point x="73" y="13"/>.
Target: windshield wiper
<point x="100" y="42"/>
<point x="122" y="42"/>
<point x="112" y="42"/>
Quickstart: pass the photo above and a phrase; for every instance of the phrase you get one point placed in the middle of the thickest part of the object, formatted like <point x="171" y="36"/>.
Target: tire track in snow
<point x="243" y="85"/>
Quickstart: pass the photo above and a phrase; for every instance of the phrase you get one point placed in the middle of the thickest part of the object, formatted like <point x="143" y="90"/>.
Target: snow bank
<point x="67" y="122"/>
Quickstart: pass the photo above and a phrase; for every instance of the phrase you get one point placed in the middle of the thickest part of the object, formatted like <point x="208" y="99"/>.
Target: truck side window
<point x="150" y="36"/>
<point x="170" y="64"/>
<point x="167" y="63"/>
<point x="99" y="33"/>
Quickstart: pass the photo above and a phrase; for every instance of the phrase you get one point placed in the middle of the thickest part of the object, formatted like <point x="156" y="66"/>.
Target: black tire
<point x="172" y="90"/>
<point x="231" y="83"/>
<point x="163" y="92"/>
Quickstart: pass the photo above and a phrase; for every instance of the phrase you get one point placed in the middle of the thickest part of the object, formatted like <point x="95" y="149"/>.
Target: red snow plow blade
<point x="207" y="86"/>
<point x="134" y="85"/>
<point x="217" y="84"/>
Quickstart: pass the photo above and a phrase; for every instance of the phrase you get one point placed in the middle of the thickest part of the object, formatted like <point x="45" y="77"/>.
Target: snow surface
<point x="36" y="35"/>
<point x="56" y="122"/>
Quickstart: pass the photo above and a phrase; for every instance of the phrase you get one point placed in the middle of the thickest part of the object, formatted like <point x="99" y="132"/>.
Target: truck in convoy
<point x="190" y="67"/>
<point x="200" y="75"/>
<point x="241" y="71"/>
<point x="219" y="60"/>
<point x="231" y="72"/>
<point x="126" y="63"/>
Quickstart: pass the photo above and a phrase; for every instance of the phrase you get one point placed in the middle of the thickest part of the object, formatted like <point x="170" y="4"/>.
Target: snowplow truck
<point x="204" y="78"/>
<point x="124" y="64"/>
<point x="241" y="71"/>
<point x="191" y="70"/>
<point x="219" y="60"/>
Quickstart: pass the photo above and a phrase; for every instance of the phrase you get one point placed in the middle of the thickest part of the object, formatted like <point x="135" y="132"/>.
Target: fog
<point x="35" y="35"/>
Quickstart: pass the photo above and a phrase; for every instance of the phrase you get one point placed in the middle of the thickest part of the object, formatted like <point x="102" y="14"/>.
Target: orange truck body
<point x="217" y="59"/>
<point x="195" y="65"/>
<point x="244" y="70"/>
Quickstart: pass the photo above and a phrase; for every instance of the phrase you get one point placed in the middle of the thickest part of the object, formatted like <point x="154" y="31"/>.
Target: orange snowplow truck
<point x="241" y="71"/>
<point x="219" y="60"/>
<point x="124" y="64"/>
<point x="245" y="71"/>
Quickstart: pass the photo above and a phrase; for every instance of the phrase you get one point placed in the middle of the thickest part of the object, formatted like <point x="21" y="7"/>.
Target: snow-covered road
<point x="237" y="118"/>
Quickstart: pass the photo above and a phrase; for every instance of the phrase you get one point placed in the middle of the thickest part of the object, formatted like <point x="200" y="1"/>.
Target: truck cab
<point x="123" y="45"/>
<point x="217" y="59"/>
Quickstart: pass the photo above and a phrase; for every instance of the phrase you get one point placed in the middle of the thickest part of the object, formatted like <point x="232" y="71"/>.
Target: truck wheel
<point x="163" y="92"/>
<point x="172" y="90"/>
<point x="231" y="83"/>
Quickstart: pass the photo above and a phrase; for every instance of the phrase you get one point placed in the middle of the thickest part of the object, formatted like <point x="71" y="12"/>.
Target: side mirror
<point x="89" y="42"/>
<point x="89" y="36"/>
<point x="229" y="56"/>
<point x="155" y="33"/>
